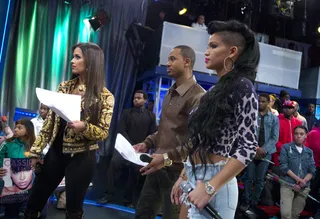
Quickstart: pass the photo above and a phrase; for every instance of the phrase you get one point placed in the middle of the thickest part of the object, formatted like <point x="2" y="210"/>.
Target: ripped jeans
<point x="226" y="199"/>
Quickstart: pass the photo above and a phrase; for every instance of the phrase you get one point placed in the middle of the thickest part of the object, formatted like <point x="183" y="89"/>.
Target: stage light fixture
<point x="183" y="11"/>
<point x="92" y="22"/>
<point x="319" y="29"/>
<point x="101" y="18"/>
<point x="67" y="2"/>
<point x="95" y="24"/>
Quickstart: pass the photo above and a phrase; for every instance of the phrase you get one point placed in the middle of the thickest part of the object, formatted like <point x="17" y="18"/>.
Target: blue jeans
<point x="255" y="173"/>
<point x="225" y="201"/>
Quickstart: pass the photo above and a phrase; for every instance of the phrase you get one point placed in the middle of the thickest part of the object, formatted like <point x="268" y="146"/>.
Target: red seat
<point x="270" y="210"/>
<point x="275" y="210"/>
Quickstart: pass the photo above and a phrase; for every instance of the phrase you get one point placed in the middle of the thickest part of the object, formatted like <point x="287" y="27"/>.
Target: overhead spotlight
<point x="97" y="21"/>
<point x="318" y="29"/>
<point x="183" y="11"/>
<point x="67" y="2"/>
<point x="181" y="6"/>
<point x="95" y="24"/>
<point x="243" y="9"/>
<point x="92" y="22"/>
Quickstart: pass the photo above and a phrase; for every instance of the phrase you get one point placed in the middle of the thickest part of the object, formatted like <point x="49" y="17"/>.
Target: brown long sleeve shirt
<point x="176" y="107"/>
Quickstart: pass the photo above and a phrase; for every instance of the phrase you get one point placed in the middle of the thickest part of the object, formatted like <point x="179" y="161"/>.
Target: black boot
<point x="28" y="215"/>
<point x="75" y="215"/>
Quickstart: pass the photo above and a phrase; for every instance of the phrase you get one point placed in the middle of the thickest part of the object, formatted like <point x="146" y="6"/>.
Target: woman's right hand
<point x="3" y="172"/>
<point x="176" y="192"/>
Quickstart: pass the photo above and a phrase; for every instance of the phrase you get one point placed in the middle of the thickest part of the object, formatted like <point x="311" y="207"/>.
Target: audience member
<point x="39" y="120"/>
<point x="157" y="22"/>
<point x="297" y="165"/>
<point x="297" y="115"/>
<point x="135" y="125"/>
<point x="267" y="133"/>
<point x="199" y="24"/>
<point x="150" y="105"/>
<point x="5" y="130"/>
<point x="273" y="106"/>
<point x="310" y="116"/>
<point x="287" y="123"/>
<point x="284" y="96"/>
<point x="313" y="142"/>
<point x="16" y="147"/>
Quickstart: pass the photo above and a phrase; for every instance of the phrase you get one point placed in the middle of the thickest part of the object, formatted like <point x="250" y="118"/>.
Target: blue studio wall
<point x="6" y="11"/>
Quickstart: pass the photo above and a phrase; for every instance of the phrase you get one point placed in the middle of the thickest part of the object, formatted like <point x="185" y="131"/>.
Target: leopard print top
<point x="239" y="139"/>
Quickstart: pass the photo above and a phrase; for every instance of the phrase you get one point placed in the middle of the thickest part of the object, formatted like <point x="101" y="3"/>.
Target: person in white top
<point x="298" y="116"/>
<point x="272" y="104"/>
<point x="200" y="23"/>
<point x="39" y="120"/>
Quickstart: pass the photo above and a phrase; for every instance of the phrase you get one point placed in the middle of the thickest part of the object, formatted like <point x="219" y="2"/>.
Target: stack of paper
<point x="67" y="106"/>
<point x="127" y="151"/>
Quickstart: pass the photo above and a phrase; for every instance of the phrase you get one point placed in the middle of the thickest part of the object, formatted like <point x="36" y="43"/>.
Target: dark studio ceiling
<point x="277" y="18"/>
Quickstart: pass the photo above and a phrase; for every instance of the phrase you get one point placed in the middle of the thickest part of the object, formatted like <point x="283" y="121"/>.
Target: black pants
<point x="78" y="171"/>
<point x="123" y="179"/>
<point x="12" y="210"/>
<point x="156" y="194"/>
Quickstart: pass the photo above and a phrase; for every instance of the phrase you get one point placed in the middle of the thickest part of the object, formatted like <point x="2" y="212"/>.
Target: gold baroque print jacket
<point x="83" y="141"/>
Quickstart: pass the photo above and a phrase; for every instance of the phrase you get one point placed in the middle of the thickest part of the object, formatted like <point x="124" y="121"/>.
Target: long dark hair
<point x="30" y="136"/>
<point x="206" y="122"/>
<point x="94" y="78"/>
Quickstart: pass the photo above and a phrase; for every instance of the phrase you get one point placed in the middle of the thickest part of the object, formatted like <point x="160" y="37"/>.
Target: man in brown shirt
<point x="181" y="98"/>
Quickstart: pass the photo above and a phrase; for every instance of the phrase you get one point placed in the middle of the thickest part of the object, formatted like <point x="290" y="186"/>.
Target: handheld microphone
<point x="208" y="210"/>
<point x="145" y="158"/>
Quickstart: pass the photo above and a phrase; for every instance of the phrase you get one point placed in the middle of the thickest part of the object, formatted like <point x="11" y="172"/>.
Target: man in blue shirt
<point x="267" y="133"/>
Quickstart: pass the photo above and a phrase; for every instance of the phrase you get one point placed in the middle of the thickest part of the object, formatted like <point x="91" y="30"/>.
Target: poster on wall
<point x="18" y="180"/>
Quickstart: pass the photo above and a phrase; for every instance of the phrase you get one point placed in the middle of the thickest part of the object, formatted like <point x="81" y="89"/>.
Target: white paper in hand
<point x="126" y="150"/>
<point x="67" y="106"/>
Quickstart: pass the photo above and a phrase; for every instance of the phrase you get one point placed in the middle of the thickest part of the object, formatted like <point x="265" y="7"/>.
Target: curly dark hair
<point x="206" y="122"/>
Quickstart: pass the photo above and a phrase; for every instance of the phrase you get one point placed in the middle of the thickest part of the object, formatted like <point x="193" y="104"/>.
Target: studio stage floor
<point x="94" y="211"/>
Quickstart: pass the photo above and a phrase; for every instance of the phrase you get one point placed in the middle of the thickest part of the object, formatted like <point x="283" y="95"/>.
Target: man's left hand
<point x="156" y="164"/>
<point x="77" y="126"/>
<point x="303" y="183"/>
<point x="296" y="188"/>
<point x="199" y="197"/>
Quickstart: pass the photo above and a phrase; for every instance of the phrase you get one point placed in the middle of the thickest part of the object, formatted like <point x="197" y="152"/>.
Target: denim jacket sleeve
<point x="284" y="164"/>
<point x="270" y="145"/>
<point x="312" y="167"/>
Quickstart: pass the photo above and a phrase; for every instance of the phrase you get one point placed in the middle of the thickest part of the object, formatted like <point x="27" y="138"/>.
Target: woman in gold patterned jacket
<point x="73" y="145"/>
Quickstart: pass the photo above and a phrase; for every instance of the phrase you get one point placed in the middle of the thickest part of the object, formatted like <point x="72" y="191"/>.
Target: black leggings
<point x="78" y="171"/>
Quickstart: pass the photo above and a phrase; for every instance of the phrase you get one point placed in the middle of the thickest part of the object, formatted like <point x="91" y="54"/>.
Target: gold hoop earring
<point x="225" y="66"/>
